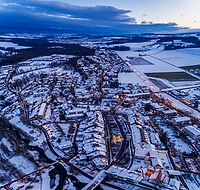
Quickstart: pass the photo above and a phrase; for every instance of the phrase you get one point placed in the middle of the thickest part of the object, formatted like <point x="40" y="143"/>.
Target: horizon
<point x="102" y="17"/>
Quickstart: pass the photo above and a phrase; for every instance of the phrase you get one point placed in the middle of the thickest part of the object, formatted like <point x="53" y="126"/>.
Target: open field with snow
<point x="171" y="65"/>
<point x="12" y="45"/>
<point x="130" y="78"/>
<point x="140" y="48"/>
<point x="180" y="57"/>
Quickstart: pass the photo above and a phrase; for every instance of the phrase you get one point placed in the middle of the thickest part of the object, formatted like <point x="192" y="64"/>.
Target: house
<point x="42" y="110"/>
<point x="157" y="107"/>
<point x="145" y="153"/>
<point x="169" y="112"/>
<point x="180" y="120"/>
<point x="174" y="184"/>
<point x="157" y="176"/>
<point x="100" y="162"/>
<point x="145" y="102"/>
<point x="74" y="116"/>
<point x="193" y="132"/>
<point x="156" y="163"/>
<point x="6" y="68"/>
<point x="154" y="137"/>
<point x="173" y="173"/>
<point x="123" y="174"/>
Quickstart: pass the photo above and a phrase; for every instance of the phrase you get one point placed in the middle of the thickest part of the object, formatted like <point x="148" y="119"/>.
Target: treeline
<point x="119" y="48"/>
<point x="136" y="39"/>
<point x="191" y="39"/>
<point x="195" y="42"/>
<point x="41" y="47"/>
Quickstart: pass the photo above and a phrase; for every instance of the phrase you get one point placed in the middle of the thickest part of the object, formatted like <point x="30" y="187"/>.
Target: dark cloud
<point x="36" y="13"/>
<point x="56" y="8"/>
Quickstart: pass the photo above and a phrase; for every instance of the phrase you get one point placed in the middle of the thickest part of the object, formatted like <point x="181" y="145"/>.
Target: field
<point x="160" y="60"/>
<point x="191" y="67"/>
<point x="140" y="61"/>
<point x="173" y="76"/>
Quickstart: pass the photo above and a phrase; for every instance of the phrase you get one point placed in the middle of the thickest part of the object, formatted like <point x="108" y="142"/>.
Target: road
<point x="26" y="114"/>
<point x="6" y="186"/>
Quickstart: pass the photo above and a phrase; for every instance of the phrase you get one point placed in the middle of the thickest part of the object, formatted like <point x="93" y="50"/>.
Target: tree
<point x="147" y="107"/>
<point x="62" y="116"/>
<point x="2" y="97"/>
<point x="164" y="138"/>
<point x="196" y="104"/>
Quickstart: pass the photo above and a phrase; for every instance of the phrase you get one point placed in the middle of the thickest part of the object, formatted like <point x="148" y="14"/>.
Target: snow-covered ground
<point x="22" y="164"/>
<point x="163" y="60"/>
<point x="51" y="117"/>
<point x="137" y="49"/>
<point x="3" y="51"/>
<point x="157" y="67"/>
<point x="181" y="57"/>
<point x="10" y="44"/>
<point x="130" y="78"/>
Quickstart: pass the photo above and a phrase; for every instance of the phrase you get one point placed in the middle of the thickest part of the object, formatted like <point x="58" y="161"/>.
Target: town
<point x="96" y="121"/>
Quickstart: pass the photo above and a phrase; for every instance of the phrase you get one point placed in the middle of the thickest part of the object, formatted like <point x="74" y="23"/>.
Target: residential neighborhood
<point x="96" y="121"/>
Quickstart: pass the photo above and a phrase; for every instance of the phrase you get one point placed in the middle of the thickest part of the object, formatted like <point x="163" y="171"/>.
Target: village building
<point x="42" y="110"/>
<point x="157" y="106"/>
<point x="193" y="132"/>
<point x="154" y="138"/>
<point x="169" y="112"/>
<point x="181" y="120"/>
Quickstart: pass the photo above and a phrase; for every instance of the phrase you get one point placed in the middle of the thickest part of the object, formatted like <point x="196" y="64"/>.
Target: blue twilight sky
<point x="122" y="16"/>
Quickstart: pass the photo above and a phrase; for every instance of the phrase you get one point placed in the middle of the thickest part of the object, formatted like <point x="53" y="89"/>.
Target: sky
<point x="103" y="16"/>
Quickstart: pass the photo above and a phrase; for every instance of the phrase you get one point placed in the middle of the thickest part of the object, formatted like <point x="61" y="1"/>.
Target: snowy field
<point x="22" y="164"/>
<point x="158" y="66"/>
<point x="181" y="57"/>
<point x="10" y="44"/>
<point x="163" y="61"/>
<point x="140" y="48"/>
<point x="131" y="78"/>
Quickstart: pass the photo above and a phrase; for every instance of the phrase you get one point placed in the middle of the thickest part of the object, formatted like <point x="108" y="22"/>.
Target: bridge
<point x="96" y="181"/>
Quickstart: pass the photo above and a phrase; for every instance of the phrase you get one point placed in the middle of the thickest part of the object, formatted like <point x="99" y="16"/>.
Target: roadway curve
<point x="26" y="114"/>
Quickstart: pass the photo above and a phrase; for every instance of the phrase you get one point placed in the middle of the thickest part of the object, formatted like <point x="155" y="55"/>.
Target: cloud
<point x="144" y="15"/>
<point x="62" y="9"/>
<point x="57" y="14"/>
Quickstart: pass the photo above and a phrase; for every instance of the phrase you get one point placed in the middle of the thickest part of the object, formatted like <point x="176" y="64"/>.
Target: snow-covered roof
<point x="144" y="152"/>
<point x="156" y="162"/>
<point x="174" y="172"/>
<point x="193" y="130"/>
<point x="123" y="173"/>
<point x="154" y="137"/>
<point x="175" y="183"/>
<point x="181" y="119"/>
<point x="168" y="112"/>
<point x="157" y="106"/>
<point x="100" y="162"/>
